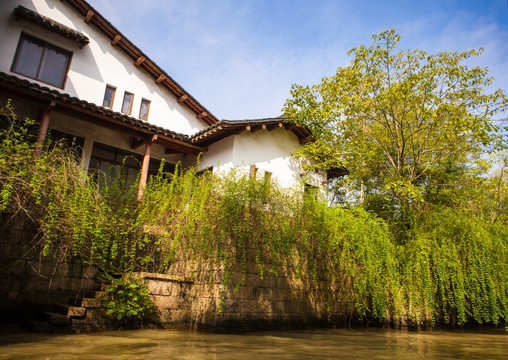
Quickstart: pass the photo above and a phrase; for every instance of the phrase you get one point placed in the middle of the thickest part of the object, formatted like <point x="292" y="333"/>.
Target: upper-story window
<point x="143" y="110"/>
<point x="41" y="61"/>
<point x="109" y="96"/>
<point x="128" y="99"/>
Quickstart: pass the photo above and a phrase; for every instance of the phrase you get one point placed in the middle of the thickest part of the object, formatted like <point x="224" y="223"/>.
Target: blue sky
<point x="239" y="58"/>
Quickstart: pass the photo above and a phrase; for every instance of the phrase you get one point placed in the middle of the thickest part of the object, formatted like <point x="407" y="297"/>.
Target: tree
<point x="399" y="121"/>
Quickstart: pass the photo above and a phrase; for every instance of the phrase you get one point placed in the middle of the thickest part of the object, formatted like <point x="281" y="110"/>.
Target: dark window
<point x="128" y="98"/>
<point x="109" y="164"/>
<point x="41" y="61"/>
<point x="109" y="96"/>
<point x="143" y="110"/>
<point x="207" y="171"/>
<point x="64" y="140"/>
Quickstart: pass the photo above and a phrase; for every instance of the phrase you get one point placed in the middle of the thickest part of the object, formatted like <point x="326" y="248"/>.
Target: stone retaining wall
<point x="182" y="298"/>
<point x="26" y="278"/>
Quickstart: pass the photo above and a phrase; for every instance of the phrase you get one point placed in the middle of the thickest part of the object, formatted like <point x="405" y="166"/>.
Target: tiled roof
<point x="225" y="128"/>
<point x="141" y="60"/>
<point x="50" y="24"/>
<point x="9" y="81"/>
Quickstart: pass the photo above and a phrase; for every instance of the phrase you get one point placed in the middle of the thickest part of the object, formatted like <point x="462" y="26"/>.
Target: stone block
<point x="169" y="302"/>
<point x="75" y="311"/>
<point x="92" y="302"/>
<point x="179" y="316"/>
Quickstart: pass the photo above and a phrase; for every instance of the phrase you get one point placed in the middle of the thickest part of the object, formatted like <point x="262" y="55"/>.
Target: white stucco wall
<point x="95" y="65"/>
<point x="268" y="150"/>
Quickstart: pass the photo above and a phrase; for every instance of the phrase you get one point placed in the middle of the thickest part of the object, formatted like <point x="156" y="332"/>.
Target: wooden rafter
<point x="139" y="61"/>
<point x="201" y="115"/>
<point x="116" y="39"/>
<point x="305" y="140"/>
<point x="182" y="98"/>
<point x="89" y="16"/>
<point x="276" y="126"/>
<point x="160" y="79"/>
<point x="137" y="143"/>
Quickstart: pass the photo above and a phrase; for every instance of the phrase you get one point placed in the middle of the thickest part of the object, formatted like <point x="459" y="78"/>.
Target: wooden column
<point x="144" y="168"/>
<point x="43" y="129"/>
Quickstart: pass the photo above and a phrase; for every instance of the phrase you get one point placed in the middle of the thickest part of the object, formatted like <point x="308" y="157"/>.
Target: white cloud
<point x="240" y="58"/>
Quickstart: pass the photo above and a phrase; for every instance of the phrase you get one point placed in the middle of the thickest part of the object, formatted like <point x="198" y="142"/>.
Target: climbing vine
<point x="451" y="271"/>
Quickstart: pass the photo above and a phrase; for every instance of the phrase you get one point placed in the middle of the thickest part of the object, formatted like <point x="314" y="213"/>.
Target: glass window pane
<point x="143" y="111"/>
<point x="54" y="65"/>
<point x="127" y="103"/>
<point x="108" y="96"/>
<point x="29" y="57"/>
<point x="103" y="152"/>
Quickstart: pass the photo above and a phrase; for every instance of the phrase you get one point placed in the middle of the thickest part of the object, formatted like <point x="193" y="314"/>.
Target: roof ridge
<point x="83" y="7"/>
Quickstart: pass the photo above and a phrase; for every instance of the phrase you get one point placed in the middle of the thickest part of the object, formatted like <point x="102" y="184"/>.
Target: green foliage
<point x="127" y="298"/>
<point x="404" y="123"/>
<point x="456" y="269"/>
<point x="450" y="270"/>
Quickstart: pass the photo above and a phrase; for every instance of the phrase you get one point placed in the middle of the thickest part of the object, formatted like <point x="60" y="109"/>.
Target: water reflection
<point x="309" y="344"/>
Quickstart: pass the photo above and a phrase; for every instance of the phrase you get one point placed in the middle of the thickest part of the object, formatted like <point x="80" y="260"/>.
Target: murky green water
<point x="308" y="344"/>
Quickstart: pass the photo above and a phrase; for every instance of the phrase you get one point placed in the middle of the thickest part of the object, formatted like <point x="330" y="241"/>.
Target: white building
<point x="64" y="64"/>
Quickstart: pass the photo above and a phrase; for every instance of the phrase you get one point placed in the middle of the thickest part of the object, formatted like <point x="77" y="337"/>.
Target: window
<point x="41" y="61"/>
<point x="109" y="164"/>
<point x="65" y="140"/>
<point x="109" y="96"/>
<point x="143" y="110"/>
<point x="128" y="99"/>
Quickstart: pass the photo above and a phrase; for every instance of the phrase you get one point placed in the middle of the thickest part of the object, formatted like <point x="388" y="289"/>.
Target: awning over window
<point x="51" y="25"/>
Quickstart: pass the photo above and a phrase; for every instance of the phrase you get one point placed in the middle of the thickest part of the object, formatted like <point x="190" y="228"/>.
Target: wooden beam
<point x="247" y="128"/>
<point x="89" y="16"/>
<point x="139" y="61"/>
<point x="160" y="79"/>
<point x="305" y="140"/>
<point x="202" y="115"/>
<point x="43" y="129"/>
<point x="144" y="170"/>
<point x="137" y="143"/>
<point x="116" y="39"/>
<point x="276" y="126"/>
<point x="256" y="129"/>
<point x="183" y="98"/>
<point x="263" y="126"/>
<point x="183" y="148"/>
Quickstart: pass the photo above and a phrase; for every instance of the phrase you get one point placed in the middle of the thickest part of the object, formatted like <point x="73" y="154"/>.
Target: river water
<point x="305" y="344"/>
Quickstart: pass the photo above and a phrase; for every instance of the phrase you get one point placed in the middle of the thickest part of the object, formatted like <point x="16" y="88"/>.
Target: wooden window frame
<point x="123" y="102"/>
<point x="112" y="96"/>
<point x="45" y="46"/>
<point x="268" y="176"/>
<point x="147" y="109"/>
<point x="253" y="172"/>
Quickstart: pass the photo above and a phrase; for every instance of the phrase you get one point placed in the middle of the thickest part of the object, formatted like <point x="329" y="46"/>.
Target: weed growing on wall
<point x="127" y="299"/>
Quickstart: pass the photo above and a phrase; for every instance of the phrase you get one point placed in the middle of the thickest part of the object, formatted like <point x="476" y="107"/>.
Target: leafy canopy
<point x="399" y="120"/>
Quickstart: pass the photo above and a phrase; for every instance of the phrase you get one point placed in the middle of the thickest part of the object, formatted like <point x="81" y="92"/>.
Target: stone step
<point x="87" y="302"/>
<point x="69" y="310"/>
<point x="55" y="318"/>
